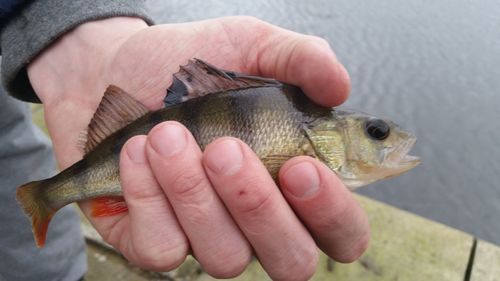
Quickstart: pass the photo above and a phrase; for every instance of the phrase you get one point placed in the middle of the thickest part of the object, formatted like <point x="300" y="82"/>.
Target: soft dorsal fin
<point x="116" y="110"/>
<point x="198" y="78"/>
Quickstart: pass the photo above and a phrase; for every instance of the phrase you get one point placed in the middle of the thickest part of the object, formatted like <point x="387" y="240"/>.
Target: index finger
<point x="284" y="247"/>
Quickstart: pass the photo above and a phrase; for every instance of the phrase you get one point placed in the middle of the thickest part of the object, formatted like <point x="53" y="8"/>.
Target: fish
<point x="277" y="120"/>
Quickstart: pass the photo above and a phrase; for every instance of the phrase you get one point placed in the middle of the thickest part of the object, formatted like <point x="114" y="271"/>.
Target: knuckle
<point x="141" y="189"/>
<point x="160" y="258"/>
<point x="249" y="20"/>
<point x="199" y="213"/>
<point x="348" y="236"/>
<point x="252" y="200"/>
<point x="235" y="24"/>
<point x="187" y="185"/>
<point x="228" y="266"/>
<point x="225" y="260"/>
<point x="320" y="41"/>
<point x="334" y="219"/>
<point x="301" y="267"/>
<point x="358" y="248"/>
<point x="308" y="39"/>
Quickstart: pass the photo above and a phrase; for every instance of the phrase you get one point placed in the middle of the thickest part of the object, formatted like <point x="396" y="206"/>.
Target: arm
<point x="32" y="26"/>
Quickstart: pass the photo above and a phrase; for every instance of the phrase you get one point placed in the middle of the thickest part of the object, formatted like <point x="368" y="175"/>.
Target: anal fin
<point x="108" y="206"/>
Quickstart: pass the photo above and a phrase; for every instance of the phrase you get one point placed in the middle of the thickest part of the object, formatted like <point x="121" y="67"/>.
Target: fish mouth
<point x="398" y="159"/>
<point x="395" y="161"/>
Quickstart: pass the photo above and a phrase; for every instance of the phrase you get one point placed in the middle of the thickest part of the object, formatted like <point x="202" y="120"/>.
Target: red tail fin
<point x="108" y="206"/>
<point x="35" y="208"/>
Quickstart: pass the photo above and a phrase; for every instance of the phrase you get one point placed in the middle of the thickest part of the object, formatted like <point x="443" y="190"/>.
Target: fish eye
<point x="377" y="129"/>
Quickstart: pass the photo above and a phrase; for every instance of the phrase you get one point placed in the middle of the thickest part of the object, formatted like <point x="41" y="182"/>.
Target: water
<point x="433" y="66"/>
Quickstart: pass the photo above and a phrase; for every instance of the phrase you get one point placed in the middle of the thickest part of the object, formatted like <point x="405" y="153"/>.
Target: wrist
<point x="77" y="62"/>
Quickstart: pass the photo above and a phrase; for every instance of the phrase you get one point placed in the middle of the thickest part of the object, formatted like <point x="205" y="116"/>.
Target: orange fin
<point x="116" y="110"/>
<point x="108" y="206"/>
<point x="36" y="209"/>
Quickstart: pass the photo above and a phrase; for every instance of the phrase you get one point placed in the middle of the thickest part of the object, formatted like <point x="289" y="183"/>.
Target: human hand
<point x="206" y="210"/>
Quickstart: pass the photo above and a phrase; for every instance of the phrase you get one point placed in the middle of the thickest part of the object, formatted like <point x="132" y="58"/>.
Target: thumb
<point x="302" y="60"/>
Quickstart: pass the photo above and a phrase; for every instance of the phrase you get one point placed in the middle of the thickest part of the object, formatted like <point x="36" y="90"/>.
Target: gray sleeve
<point x="40" y="23"/>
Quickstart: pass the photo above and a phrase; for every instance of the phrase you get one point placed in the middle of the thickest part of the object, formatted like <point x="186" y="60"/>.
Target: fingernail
<point x="302" y="179"/>
<point x="135" y="150"/>
<point x="225" y="157"/>
<point x="169" y="139"/>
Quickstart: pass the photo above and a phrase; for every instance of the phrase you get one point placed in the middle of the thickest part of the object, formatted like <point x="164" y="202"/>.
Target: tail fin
<point x="30" y="198"/>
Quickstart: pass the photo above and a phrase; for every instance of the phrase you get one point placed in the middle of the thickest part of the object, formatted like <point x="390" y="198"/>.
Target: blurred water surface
<point x="432" y="66"/>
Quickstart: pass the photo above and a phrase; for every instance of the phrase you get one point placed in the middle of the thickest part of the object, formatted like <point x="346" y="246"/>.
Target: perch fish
<point x="275" y="119"/>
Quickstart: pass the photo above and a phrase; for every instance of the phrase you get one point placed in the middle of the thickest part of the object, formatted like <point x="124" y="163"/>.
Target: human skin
<point x="220" y="205"/>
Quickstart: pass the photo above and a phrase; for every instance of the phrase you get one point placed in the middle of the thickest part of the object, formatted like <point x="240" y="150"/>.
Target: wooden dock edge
<point x="404" y="246"/>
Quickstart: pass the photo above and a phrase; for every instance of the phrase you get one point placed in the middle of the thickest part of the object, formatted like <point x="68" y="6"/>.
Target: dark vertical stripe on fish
<point x="310" y="111"/>
<point x="155" y="117"/>
<point x="81" y="179"/>
<point x="191" y="116"/>
<point x="297" y="98"/>
<point x="120" y="139"/>
<point x="242" y="112"/>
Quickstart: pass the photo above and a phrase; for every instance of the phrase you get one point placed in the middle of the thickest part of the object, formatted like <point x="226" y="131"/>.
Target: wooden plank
<point x="407" y="247"/>
<point x="403" y="247"/>
<point x="486" y="266"/>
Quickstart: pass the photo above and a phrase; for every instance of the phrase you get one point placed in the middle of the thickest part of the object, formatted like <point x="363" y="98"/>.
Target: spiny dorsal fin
<point x="116" y="110"/>
<point x="198" y="78"/>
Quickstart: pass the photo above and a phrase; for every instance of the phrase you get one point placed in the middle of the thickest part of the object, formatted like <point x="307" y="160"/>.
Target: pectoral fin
<point x="326" y="144"/>
<point x="274" y="162"/>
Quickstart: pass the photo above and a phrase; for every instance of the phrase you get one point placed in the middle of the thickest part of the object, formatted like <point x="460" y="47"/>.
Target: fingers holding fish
<point x="215" y="239"/>
<point x="150" y="236"/>
<point x="283" y="245"/>
<point x="327" y="208"/>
